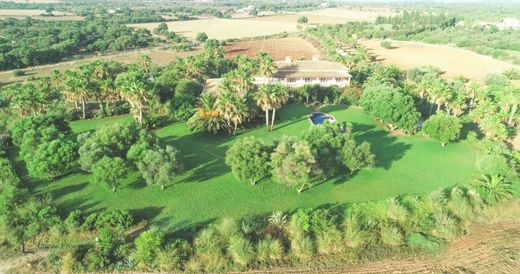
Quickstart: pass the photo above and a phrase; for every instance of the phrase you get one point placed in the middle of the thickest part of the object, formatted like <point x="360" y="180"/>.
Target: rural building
<point x="509" y="23"/>
<point x="296" y="73"/>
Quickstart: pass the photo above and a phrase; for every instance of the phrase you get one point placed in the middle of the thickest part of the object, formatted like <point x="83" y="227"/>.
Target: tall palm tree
<point x="265" y="101"/>
<point x="77" y="89"/>
<point x="271" y="97"/>
<point x="206" y="116"/>
<point x="280" y="96"/>
<point x="440" y="93"/>
<point x="232" y="108"/>
<point x="134" y="87"/>
<point x="472" y="90"/>
<point x="267" y="66"/>
<point x="509" y="98"/>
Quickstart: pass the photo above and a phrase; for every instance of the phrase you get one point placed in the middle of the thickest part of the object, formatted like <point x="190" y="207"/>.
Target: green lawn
<point x="207" y="190"/>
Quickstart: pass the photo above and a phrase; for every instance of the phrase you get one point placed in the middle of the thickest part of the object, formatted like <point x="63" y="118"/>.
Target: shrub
<point x="302" y="247"/>
<point x="240" y="250"/>
<point x="391" y="235"/>
<point x="423" y="242"/>
<point x="329" y="241"/>
<point x="201" y="37"/>
<point x="512" y="74"/>
<point x="269" y="249"/>
<point x="147" y="246"/>
<point x="18" y="72"/>
<point x="386" y="44"/>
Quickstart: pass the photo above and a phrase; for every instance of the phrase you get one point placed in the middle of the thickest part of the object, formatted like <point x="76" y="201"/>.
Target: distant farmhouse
<point x="297" y="73"/>
<point x="509" y="23"/>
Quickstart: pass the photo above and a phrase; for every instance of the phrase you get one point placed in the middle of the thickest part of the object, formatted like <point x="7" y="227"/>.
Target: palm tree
<point x="472" y="90"/>
<point x="270" y="97"/>
<point x="280" y="96"/>
<point x="206" y="116"/>
<point x="264" y="101"/>
<point x="440" y="93"/>
<point x="77" y="89"/>
<point x="494" y="188"/>
<point x="144" y="62"/>
<point x="509" y="98"/>
<point x="136" y="89"/>
<point x="267" y="66"/>
<point x="232" y="108"/>
<point x="493" y="127"/>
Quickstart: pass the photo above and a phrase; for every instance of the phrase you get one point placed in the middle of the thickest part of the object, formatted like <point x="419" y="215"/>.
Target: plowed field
<point x="278" y="48"/>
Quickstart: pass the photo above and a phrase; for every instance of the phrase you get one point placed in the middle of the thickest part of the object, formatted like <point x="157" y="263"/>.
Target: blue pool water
<point x="318" y="118"/>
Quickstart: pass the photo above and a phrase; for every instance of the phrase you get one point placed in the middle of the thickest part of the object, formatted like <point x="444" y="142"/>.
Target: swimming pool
<point x="318" y="118"/>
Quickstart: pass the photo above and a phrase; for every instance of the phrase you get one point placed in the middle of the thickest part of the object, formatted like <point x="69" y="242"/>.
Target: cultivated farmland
<point x="278" y="48"/>
<point x="453" y="61"/>
<point x="37" y="14"/>
<point x="223" y="28"/>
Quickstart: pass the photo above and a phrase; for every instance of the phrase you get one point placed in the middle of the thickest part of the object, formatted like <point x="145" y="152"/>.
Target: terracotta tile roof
<point x="311" y="69"/>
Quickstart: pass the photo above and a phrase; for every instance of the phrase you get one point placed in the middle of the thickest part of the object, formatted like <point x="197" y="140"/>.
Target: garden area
<point x="207" y="190"/>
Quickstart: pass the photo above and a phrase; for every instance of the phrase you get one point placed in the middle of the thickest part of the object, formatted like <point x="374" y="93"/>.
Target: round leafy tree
<point x="249" y="159"/>
<point x="110" y="172"/>
<point x="442" y="127"/>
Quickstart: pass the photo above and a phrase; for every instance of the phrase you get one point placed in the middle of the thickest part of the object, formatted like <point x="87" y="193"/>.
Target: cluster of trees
<point x="23" y="216"/>
<point x="322" y="153"/>
<point x="236" y="100"/>
<point x="44" y="145"/>
<point x="414" y="223"/>
<point x="110" y="152"/>
<point x="30" y="42"/>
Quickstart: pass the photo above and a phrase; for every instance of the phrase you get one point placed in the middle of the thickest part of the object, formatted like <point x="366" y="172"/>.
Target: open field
<point x="349" y="13"/>
<point x="22" y="13"/>
<point x="159" y="57"/>
<point x="324" y="16"/>
<point x="223" y="28"/>
<point x="208" y="190"/>
<point x="453" y="61"/>
<point x="277" y="48"/>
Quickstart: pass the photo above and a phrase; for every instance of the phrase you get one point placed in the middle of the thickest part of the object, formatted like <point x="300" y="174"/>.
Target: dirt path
<point x="6" y="265"/>
<point x="491" y="248"/>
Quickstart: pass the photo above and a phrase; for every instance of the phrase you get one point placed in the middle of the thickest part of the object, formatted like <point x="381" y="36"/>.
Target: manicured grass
<point x="208" y="190"/>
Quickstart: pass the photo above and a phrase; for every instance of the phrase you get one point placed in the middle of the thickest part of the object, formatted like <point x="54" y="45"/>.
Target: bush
<point x="147" y="246"/>
<point x="240" y="250"/>
<point x="423" y="242"/>
<point x="386" y="44"/>
<point x="18" y="72"/>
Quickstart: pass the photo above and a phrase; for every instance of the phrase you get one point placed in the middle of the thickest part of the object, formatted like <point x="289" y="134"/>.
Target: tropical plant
<point x="493" y="188"/>
<point x="206" y="116"/>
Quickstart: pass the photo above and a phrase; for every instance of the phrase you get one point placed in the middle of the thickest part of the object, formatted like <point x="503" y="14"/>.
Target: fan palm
<point x="267" y="66"/>
<point x="494" y="188"/>
<point x="206" y="116"/>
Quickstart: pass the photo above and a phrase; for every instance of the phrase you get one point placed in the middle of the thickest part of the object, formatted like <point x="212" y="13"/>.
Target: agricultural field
<point x="453" y="61"/>
<point x="208" y="190"/>
<point x="278" y="49"/>
<point x="222" y="29"/>
<point x="36" y="14"/>
<point x="352" y="13"/>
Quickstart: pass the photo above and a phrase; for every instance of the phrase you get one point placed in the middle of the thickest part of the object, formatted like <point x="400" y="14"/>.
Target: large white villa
<point x="296" y="73"/>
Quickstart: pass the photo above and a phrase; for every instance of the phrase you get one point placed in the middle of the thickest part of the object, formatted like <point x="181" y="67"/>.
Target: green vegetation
<point x="42" y="42"/>
<point x="208" y="179"/>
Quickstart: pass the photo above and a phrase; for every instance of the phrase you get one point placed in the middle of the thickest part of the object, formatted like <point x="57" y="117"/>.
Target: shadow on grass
<point x="387" y="148"/>
<point x="68" y="189"/>
<point x="146" y="213"/>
